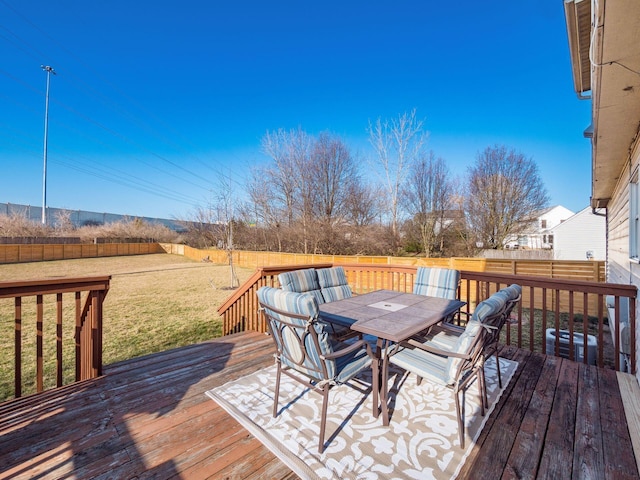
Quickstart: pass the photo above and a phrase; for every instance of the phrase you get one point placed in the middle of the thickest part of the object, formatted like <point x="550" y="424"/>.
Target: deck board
<point x="149" y="418"/>
<point x="527" y="448"/>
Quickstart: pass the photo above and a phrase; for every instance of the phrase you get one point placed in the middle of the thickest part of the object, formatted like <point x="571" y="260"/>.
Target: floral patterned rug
<point x="421" y="441"/>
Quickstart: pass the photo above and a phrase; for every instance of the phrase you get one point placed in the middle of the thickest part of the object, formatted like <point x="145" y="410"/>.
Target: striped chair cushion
<point x="333" y="284"/>
<point x="331" y="294"/>
<point x="348" y="366"/>
<point x="302" y="281"/>
<point x="513" y="291"/>
<point x="443" y="337"/>
<point x="302" y="304"/>
<point x="489" y="307"/>
<point x="463" y="345"/>
<point x="331" y="277"/>
<point x="431" y="367"/>
<point x="437" y="282"/>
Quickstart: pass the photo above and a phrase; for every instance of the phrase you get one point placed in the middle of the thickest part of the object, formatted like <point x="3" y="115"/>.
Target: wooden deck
<point x="149" y="418"/>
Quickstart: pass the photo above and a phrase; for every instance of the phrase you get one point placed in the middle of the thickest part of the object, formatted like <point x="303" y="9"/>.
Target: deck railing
<point x="39" y="315"/>
<point x="575" y="306"/>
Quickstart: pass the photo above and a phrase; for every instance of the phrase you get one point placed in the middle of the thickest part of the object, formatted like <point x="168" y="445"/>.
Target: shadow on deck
<point x="149" y="418"/>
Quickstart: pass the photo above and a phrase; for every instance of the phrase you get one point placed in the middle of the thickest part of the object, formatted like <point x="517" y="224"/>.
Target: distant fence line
<point x="518" y="254"/>
<point x="46" y="252"/>
<point x="593" y="271"/>
<point x="68" y="240"/>
<point x="587" y="270"/>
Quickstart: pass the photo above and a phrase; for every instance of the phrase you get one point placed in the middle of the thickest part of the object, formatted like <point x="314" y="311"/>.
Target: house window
<point x="543" y="223"/>
<point x="634" y="217"/>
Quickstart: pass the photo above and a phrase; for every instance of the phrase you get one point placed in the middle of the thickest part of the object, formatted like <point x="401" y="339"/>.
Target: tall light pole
<point x="49" y="71"/>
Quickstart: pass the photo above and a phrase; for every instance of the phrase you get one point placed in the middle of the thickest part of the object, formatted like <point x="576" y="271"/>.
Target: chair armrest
<point x="455" y="329"/>
<point x="349" y="349"/>
<point x="437" y="351"/>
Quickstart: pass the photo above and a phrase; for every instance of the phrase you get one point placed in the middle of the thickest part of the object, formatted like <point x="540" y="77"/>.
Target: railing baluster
<point x="557" y="322"/>
<point x="571" y="346"/>
<point x="18" y="346"/>
<point x="632" y="326"/>
<point x="544" y="318"/>
<point x="532" y="318"/>
<point x="616" y="321"/>
<point x="585" y="327"/>
<point x="39" y="346"/>
<point x="78" y="336"/>
<point x="600" y="330"/>
<point x="59" y="340"/>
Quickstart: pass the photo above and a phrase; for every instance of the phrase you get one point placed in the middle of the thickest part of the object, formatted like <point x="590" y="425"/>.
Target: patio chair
<point x="302" y="281"/>
<point x="308" y="281"/>
<point x="513" y="295"/>
<point x="437" y="282"/>
<point x="493" y="313"/>
<point x="450" y="359"/>
<point x="305" y="351"/>
<point x="333" y="284"/>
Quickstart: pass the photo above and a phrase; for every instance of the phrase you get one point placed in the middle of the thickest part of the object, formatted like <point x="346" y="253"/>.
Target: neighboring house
<point x="539" y="234"/>
<point x="604" y="43"/>
<point x="581" y="237"/>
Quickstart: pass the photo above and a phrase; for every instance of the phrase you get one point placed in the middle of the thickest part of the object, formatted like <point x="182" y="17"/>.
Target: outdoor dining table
<point x="391" y="317"/>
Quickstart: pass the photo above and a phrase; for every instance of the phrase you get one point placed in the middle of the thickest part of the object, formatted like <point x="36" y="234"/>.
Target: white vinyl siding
<point x="581" y="237"/>
<point x="634" y="217"/>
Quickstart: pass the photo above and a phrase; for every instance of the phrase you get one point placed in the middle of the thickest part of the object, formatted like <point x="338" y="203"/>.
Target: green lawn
<point x="156" y="302"/>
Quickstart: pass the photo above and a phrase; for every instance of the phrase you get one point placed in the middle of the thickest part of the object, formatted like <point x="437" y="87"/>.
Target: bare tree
<point x="264" y="206"/>
<point x="362" y="204"/>
<point x="290" y="180"/>
<point x="309" y="182"/>
<point x="505" y="192"/>
<point x="226" y="213"/>
<point x="398" y="143"/>
<point x="287" y="149"/>
<point x="63" y="223"/>
<point x="427" y="197"/>
<point x="202" y="228"/>
<point x="333" y="172"/>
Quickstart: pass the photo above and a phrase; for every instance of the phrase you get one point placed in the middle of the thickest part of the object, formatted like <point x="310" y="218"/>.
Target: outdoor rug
<point x="421" y="440"/>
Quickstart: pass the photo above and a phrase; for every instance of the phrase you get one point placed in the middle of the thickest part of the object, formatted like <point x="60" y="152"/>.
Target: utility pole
<point x="49" y="71"/>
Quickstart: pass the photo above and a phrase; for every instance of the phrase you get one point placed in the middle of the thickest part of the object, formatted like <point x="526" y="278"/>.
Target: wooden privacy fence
<point x="576" y="306"/>
<point x="593" y="271"/>
<point x="45" y="252"/>
<point x="576" y="270"/>
<point x="38" y="310"/>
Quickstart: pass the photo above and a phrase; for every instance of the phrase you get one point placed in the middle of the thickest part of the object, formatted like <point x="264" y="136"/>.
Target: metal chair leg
<point x="277" y="391"/>
<point x="323" y="418"/>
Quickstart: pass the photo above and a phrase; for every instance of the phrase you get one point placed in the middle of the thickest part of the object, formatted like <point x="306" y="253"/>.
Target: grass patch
<point x="156" y="302"/>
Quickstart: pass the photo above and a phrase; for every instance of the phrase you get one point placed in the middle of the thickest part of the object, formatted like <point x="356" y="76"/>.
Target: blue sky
<point x="154" y="101"/>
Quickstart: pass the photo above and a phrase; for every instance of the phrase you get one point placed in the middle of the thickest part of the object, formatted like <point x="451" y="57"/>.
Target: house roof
<point x="544" y="211"/>
<point x="605" y="58"/>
